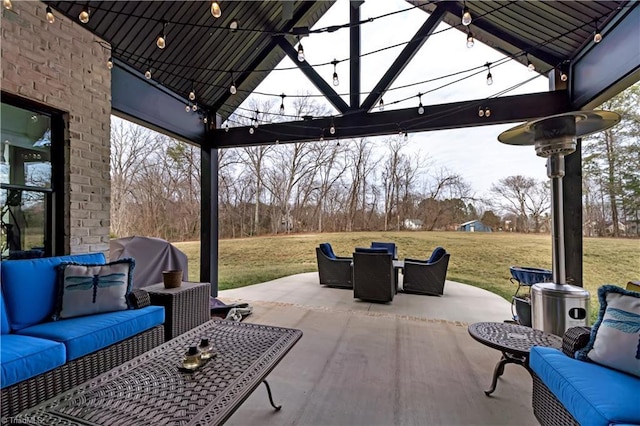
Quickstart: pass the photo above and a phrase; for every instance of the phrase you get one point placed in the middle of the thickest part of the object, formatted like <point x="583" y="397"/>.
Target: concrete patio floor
<point x="411" y="362"/>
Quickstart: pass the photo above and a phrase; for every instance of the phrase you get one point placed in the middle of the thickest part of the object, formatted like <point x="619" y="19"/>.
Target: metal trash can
<point x="557" y="307"/>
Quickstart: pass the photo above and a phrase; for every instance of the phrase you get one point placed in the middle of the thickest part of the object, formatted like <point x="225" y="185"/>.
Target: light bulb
<point x="109" y="63"/>
<point x="466" y="16"/>
<point x="84" y="15"/>
<point x="564" y="76"/>
<point x="226" y="127"/>
<point x="256" y="123"/>
<point x="406" y="136"/>
<point x="470" y="40"/>
<point x="530" y="65"/>
<point x="161" y="42"/>
<point x="233" y="89"/>
<point x="50" y="16"/>
<point x="420" y="109"/>
<point x="194" y="107"/>
<point x="215" y="9"/>
<point x="204" y="120"/>
<point x="147" y="74"/>
<point x="7" y="4"/>
<point x="187" y="108"/>
<point x="480" y="112"/>
<point x="281" y="109"/>
<point x="381" y="105"/>
<point x="487" y="112"/>
<point x="192" y="95"/>
<point x="332" y="129"/>
<point x="489" y="79"/>
<point x="597" y="37"/>
<point x="336" y="82"/>
<point x="300" y="53"/>
<point x="234" y="25"/>
<point x="251" y="131"/>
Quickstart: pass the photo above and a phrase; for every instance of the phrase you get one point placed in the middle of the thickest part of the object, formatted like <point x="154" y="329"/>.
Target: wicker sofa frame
<point x="33" y="391"/>
<point x="546" y="407"/>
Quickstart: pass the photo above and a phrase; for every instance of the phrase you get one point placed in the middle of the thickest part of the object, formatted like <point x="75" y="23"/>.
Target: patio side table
<point x="186" y="307"/>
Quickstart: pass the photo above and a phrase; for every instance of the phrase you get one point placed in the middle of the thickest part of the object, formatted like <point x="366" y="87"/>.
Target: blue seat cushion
<point x="84" y="335"/>
<point x="580" y="386"/>
<point x="437" y="254"/>
<point x="377" y="250"/>
<point x="327" y="250"/>
<point x="30" y="287"/>
<point x="24" y="357"/>
<point x="390" y="247"/>
<point x="4" y="320"/>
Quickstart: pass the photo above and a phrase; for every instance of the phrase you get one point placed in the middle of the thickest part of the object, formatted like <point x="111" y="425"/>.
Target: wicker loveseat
<point x="567" y="391"/>
<point x="41" y="358"/>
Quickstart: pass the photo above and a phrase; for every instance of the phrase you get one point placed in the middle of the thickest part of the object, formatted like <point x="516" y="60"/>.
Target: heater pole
<point x="555" y="171"/>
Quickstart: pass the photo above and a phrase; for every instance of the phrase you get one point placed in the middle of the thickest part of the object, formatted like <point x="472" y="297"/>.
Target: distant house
<point x="413" y="224"/>
<point x="474" y="226"/>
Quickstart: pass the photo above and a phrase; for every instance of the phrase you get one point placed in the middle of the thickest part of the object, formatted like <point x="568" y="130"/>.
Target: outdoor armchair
<point x="426" y="276"/>
<point x="334" y="271"/>
<point x="373" y="275"/>
<point x="391" y="248"/>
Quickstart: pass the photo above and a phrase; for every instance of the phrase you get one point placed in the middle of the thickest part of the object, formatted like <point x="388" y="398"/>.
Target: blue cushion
<point x="379" y="250"/>
<point x="437" y="254"/>
<point x="327" y="250"/>
<point x="579" y="385"/>
<point x="84" y="335"/>
<point x="4" y="320"/>
<point x="24" y="357"/>
<point x="30" y="287"/>
<point x="390" y="247"/>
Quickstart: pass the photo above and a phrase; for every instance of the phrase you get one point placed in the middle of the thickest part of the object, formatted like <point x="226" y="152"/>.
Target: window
<point x="29" y="139"/>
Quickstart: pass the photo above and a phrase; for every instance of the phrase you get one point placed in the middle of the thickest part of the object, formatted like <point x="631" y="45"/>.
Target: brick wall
<point x="61" y="65"/>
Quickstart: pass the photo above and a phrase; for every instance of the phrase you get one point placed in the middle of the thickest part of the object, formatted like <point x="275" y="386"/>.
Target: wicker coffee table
<point x="150" y="390"/>
<point x="514" y="341"/>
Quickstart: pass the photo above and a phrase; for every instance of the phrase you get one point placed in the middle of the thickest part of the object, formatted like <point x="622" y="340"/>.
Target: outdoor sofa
<point x="40" y="357"/>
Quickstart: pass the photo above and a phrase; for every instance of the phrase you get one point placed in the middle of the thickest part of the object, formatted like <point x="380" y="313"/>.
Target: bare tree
<point x="524" y="197"/>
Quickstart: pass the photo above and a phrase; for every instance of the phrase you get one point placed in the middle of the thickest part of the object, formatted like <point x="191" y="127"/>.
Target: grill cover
<point x="152" y="256"/>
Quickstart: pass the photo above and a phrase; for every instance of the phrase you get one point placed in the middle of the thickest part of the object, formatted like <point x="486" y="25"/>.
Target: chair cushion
<point x="614" y="337"/>
<point x="380" y="250"/>
<point x="437" y="254"/>
<point x="327" y="250"/>
<point x="84" y="335"/>
<point x="92" y="289"/>
<point x="4" y="320"/>
<point x="24" y="357"/>
<point x="579" y="385"/>
<point x="29" y="287"/>
<point x="390" y="247"/>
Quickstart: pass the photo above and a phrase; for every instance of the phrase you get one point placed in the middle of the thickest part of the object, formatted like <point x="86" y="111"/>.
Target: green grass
<point x="479" y="259"/>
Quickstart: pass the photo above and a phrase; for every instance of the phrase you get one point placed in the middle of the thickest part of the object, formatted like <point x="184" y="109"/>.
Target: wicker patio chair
<point x="373" y="275"/>
<point x="390" y="247"/>
<point x="426" y="276"/>
<point x="334" y="271"/>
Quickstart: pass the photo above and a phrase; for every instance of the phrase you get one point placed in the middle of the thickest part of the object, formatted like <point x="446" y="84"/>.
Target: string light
<point x="205" y="120"/>
<point x="332" y="129"/>
<point x="597" y="37"/>
<point x="489" y="76"/>
<point x="466" y="15"/>
<point x="84" y="15"/>
<point x="420" y="107"/>
<point x="226" y="127"/>
<point x="147" y="74"/>
<point x="7" y="4"/>
<point x="110" y="63"/>
<point x="256" y="123"/>
<point x="530" y="65"/>
<point x="233" y="90"/>
<point x="215" y="9"/>
<point x="194" y="107"/>
<point x="487" y="112"/>
<point x="480" y="112"/>
<point x="563" y="72"/>
<point x="282" y="104"/>
<point x="187" y="108"/>
<point x="192" y="93"/>
<point x="50" y="16"/>
<point x="406" y="136"/>
<point x="251" y="131"/>
<point x="381" y="105"/>
<point x="161" y="41"/>
<point x="300" y="51"/>
<point x="234" y="25"/>
<point x="470" y="40"/>
<point x="336" y="81"/>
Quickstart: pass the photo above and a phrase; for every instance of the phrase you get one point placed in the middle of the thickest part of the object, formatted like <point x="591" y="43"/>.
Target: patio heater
<point x="557" y="306"/>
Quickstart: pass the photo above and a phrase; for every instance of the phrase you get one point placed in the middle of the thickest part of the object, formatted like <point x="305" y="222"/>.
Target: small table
<point x="150" y="390"/>
<point x="514" y="341"/>
<point x="185" y="307"/>
<point x="398" y="265"/>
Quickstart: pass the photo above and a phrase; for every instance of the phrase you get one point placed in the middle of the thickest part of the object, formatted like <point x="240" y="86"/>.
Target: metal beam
<point x="209" y="217"/>
<point x="507" y="109"/>
<point x="354" y="54"/>
<point x="151" y="105"/>
<point x="404" y="57"/>
<point x="605" y="69"/>
<point x="572" y="200"/>
<point x="315" y="78"/>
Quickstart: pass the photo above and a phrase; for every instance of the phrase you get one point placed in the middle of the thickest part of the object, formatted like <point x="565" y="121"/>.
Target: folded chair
<point x="373" y="276"/>
<point x="334" y="271"/>
<point x="426" y="276"/>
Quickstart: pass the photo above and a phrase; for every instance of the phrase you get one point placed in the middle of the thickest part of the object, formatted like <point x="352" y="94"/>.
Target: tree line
<point x="355" y="185"/>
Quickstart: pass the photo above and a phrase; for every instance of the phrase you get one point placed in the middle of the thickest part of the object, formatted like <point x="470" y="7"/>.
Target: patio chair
<point x="373" y="275"/>
<point x="426" y="276"/>
<point x="333" y="271"/>
<point x="390" y="247"/>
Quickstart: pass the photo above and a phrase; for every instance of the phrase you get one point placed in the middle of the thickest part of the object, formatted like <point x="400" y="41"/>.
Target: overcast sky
<point x="475" y="153"/>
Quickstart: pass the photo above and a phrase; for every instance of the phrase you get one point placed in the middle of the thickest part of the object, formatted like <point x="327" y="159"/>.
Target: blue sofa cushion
<point x="593" y="394"/>
<point x="614" y="337"/>
<point x="29" y="287"/>
<point x="24" y="357"/>
<point x="377" y="250"/>
<point x="390" y="247"/>
<point x="4" y="320"/>
<point x="93" y="289"/>
<point x="83" y="335"/>
<point x="327" y="250"/>
<point x="437" y="254"/>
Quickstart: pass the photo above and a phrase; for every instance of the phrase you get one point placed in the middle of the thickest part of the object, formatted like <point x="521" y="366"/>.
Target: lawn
<point x="479" y="259"/>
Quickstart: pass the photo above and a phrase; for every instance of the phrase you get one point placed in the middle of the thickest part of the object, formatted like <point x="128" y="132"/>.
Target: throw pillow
<point x="615" y="337"/>
<point x="93" y="289"/>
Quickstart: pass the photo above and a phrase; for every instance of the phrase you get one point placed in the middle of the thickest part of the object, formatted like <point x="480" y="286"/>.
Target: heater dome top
<point x="586" y="123"/>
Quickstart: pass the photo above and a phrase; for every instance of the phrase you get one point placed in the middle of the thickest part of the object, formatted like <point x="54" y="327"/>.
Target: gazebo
<point x="78" y="62"/>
